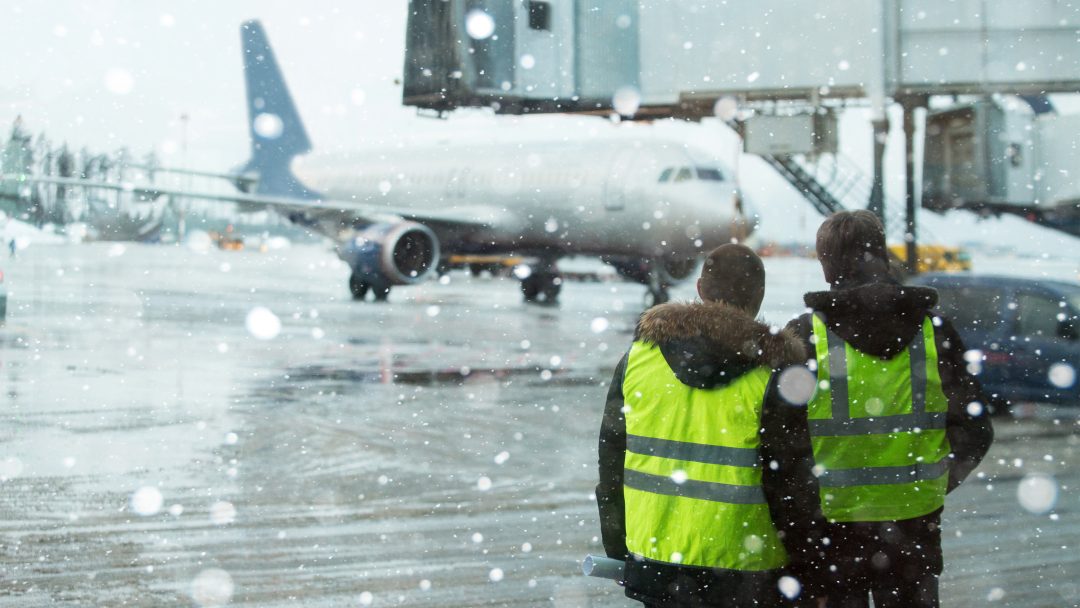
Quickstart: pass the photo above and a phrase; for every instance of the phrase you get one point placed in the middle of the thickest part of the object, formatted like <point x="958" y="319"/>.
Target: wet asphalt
<point x="438" y="450"/>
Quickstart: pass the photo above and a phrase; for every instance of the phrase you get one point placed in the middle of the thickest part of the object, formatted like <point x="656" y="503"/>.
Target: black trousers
<point x="701" y="588"/>
<point x="760" y="597"/>
<point x="890" y="593"/>
<point x="719" y="596"/>
<point x="898" y="563"/>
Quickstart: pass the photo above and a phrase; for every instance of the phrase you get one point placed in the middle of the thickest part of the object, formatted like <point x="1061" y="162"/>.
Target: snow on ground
<point x="24" y="234"/>
<point x="157" y="446"/>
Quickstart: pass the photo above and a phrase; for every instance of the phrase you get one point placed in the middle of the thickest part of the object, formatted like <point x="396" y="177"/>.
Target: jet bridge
<point x="742" y="59"/>
<point x="1002" y="156"/>
<point x="678" y="57"/>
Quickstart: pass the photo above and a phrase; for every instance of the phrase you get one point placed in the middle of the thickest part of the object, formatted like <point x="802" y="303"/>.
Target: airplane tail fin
<point x="277" y="134"/>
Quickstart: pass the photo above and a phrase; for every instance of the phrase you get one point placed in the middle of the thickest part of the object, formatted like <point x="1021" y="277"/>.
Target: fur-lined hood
<point x="710" y="344"/>
<point x="879" y="319"/>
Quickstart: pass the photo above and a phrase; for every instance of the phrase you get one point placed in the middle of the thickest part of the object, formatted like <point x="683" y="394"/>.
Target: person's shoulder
<point x="945" y="333"/>
<point x="801" y="324"/>
<point x="943" y="325"/>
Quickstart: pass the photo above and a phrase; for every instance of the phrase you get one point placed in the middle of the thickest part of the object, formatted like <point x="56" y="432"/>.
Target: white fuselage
<point x="550" y="197"/>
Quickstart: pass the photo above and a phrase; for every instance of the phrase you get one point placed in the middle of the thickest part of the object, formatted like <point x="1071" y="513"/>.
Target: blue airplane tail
<point x="277" y="134"/>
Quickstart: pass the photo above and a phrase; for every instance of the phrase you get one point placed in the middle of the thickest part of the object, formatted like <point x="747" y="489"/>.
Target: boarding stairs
<point x="834" y="182"/>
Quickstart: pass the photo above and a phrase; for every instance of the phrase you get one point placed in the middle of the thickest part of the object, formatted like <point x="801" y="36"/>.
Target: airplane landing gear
<point x="657" y="295"/>
<point x="360" y="288"/>
<point x="656" y="274"/>
<point x="657" y="286"/>
<point x="357" y="287"/>
<point x="542" y="286"/>
<point x="381" y="292"/>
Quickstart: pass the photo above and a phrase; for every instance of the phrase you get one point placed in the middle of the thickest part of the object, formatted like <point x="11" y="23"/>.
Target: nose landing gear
<point x="656" y="295"/>
<point x="656" y="287"/>
<point x="656" y="274"/>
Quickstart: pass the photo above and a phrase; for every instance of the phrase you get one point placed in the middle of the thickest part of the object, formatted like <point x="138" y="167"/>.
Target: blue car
<point x="1023" y="335"/>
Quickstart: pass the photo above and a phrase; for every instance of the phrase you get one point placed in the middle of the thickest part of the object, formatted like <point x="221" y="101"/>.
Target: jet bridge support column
<point x="876" y="204"/>
<point x="909" y="105"/>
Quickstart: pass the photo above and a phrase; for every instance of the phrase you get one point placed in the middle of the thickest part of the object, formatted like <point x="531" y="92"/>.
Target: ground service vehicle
<point x="936" y="258"/>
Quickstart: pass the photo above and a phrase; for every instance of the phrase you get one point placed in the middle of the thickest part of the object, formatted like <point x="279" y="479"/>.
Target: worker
<point x="680" y="493"/>
<point x="859" y="472"/>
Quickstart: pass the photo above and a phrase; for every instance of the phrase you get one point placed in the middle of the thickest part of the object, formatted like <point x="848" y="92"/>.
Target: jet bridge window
<point x="666" y="174"/>
<point x="709" y="174"/>
<point x="540" y="16"/>
<point x="685" y="174"/>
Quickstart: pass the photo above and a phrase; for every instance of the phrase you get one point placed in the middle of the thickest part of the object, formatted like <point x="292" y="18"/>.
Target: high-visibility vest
<point x="877" y="427"/>
<point x="692" y="477"/>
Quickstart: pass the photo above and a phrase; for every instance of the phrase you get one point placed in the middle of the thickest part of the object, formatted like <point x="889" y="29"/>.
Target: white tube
<point x="603" y="567"/>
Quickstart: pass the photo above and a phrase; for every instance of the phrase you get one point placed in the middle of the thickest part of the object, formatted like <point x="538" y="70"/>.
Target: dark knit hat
<point x="733" y="274"/>
<point x="851" y="247"/>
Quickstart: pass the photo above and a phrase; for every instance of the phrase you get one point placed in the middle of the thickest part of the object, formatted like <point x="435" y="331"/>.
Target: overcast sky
<point x="108" y="73"/>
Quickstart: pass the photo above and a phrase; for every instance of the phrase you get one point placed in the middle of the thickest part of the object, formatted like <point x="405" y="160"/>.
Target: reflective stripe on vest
<point x="692" y="478"/>
<point x="877" y="427"/>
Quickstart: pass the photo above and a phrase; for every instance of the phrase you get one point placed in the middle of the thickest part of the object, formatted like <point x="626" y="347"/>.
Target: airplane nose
<point x="744" y="218"/>
<point x="717" y="218"/>
<point x="745" y="206"/>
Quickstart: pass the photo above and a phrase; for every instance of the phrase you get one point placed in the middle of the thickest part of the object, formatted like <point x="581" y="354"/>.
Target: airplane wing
<point x="349" y="211"/>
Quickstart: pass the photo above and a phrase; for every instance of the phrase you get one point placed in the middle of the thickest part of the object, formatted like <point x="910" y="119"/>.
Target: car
<point x="1022" y="335"/>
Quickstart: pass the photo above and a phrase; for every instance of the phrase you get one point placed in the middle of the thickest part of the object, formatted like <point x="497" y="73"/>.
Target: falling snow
<point x="201" y="411"/>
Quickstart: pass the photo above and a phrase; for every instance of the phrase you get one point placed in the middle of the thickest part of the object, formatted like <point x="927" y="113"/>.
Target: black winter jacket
<point x="707" y="345"/>
<point x="880" y="319"/>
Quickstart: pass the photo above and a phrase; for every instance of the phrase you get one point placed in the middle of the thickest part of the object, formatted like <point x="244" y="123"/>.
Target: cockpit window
<point x="710" y="174"/>
<point x="666" y="175"/>
<point x="684" y="175"/>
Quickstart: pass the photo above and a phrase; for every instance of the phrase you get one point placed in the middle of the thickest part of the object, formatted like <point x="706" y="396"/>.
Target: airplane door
<point x="618" y="183"/>
<point x="455" y="184"/>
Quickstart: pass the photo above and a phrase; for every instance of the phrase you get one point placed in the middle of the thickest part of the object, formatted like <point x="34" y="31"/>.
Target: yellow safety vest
<point x="692" y="477"/>
<point x="877" y="427"/>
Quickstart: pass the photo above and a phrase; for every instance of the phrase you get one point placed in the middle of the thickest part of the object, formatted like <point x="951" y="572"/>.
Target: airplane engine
<point x="392" y="254"/>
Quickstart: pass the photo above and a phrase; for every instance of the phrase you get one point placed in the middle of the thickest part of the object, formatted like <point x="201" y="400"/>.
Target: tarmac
<point x="439" y="450"/>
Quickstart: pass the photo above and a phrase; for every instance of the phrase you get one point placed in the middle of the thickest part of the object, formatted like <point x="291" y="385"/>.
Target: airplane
<point x="649" y="207"/>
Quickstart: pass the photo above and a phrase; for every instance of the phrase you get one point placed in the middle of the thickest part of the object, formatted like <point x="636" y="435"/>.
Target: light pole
<point x="181" y="226"/>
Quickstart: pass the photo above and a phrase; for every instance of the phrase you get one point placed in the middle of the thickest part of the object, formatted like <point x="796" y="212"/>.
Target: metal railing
<point x="834" y="182"/>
